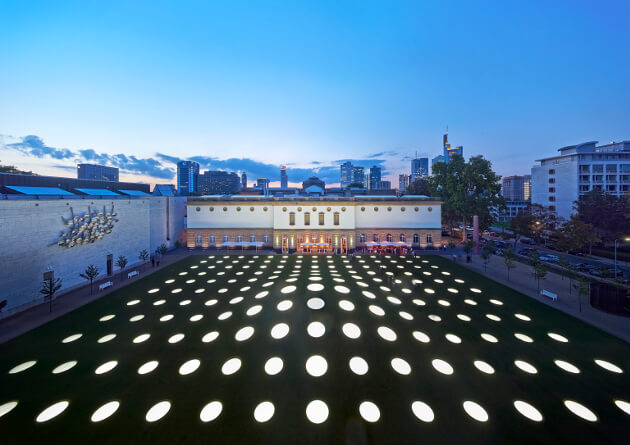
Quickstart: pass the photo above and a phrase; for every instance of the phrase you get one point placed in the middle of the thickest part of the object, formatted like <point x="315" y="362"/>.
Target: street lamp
<point x="624" y="239"/>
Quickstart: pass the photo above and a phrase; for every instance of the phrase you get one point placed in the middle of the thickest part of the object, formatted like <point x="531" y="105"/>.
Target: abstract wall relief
<point x="87" y="228"/>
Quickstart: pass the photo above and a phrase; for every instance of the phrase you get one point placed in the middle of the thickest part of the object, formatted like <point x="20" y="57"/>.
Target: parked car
<point x="525" y="252"/>
<point x="549" y="258"/>
<point x="551" y="247"/>
<point x="501" y="244"/>
<point x="499" y="252"/>
<point x="575" y="252"/>
<point x="527" y="241"/>
<point x="584" y="267"/>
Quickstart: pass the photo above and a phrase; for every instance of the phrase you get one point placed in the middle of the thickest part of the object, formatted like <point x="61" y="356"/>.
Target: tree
<point x="486" y="253"/>
<point x="452" y="244"/>
<point x="420" y="186"/>
<point x="583" y="287"/>
<point x="161" y="249"/>
<point x="3" y="304"/>
<point x="49" y="288"/>
<point x="14" y="169"/>
<point x="540" y="271"/>
<point x="508" y="259"/>
<point x="607" y="214"/>
<point x="467" y="189"/>
<point x="521" y="226"/>
<point x="90" y="273"/>
<point x="468" y="248"/>
<point x="574" y="234"/>
<point x="122" y="263"/>
<point x="143" y="255"/>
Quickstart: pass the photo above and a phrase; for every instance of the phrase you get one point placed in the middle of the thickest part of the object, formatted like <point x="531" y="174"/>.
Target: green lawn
<point x="290" y="391"/>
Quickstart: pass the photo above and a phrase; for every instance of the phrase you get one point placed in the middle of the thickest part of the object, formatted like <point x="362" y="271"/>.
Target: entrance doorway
<point x="285" y="244"/>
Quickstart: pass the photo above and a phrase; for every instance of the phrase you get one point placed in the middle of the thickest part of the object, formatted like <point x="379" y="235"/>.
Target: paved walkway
<point x="522" y="280"/>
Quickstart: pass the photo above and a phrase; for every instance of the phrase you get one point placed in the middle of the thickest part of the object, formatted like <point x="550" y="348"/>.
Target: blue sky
<point x="257" y="84"/>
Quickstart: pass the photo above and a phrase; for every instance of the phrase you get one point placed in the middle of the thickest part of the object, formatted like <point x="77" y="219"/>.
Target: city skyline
<point x="135" y="94"/>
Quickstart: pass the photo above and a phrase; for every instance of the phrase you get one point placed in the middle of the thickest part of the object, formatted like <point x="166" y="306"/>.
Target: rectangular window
<point x="624" y="167"/>
<point x="597" y="187"/>
<point x="584" y="188"/>
<point x="552" y="180"/>
<point x="321" y="219"/>
<point x="291" y="219"/>
<point x="552" y="171"/>
<point x="585" y="178"/>
<point x="598" y="168"/>
<point x="584" y="169"/>
<point x="307" y="219"/>
<point x="552" y="208"/>
<point x="624" y="188"/>
<point x="598" y="178"/>
<point x="611" y="168"/>
<point x="336" y="219"/>
<point x="624" y="178"/>
<point x="611" y="188"/>
<point x="552" y="198"/>
<point x="611" y="178"/>
<point x="552" y="190"/>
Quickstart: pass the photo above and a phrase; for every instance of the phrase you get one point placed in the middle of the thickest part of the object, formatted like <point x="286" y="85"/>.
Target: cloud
<point x="382" y="153"/>
<point x="32" y="145"/>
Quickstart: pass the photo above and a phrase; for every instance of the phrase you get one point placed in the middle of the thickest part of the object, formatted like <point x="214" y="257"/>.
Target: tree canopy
<point x="608" y="215"/>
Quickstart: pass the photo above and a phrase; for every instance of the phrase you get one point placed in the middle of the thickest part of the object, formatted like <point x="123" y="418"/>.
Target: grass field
<point x="369" y="356"/>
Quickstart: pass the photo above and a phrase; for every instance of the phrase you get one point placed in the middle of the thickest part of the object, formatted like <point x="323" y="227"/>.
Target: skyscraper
<point x="516" y="188"/>
<point x="187" y="175"/>
<point x="244" y="181"/>
<point x="449" y="151"/>
<point x="358" y="175"/>
<point x="284" y="179"/>
<point x="345" y="175"/>
<point x="403" y="182"/>
<point x="375" y="178"/>
<point x="218" y="183"/>
<point x="419" y="168"/>
<point x="98" y="172"/>
<point x="263" y="184"/>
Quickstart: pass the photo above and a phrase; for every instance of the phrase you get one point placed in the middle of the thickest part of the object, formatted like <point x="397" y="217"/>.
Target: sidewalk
<point x="521" y="280"/>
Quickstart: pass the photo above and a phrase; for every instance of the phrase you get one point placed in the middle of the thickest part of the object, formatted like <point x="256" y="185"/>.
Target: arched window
<point x="375" y="237"/>
<point x="362" y="238"/>
<point x="213" y="240"/>
<point x="389" y="238"/>
<point x="416" y="238"/>
<point x="403" y="238"/>
<point x="226" y="238"/>
<point x="239" y="238"/>
<point x="252" y="238"/>
<point x="429" y="239"/>
<point x="266" y="239"/>
<point x="198" y="239"/>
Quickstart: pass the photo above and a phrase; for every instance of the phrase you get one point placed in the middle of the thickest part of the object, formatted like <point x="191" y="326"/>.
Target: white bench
<point x="132" y="274"/>
<point x="548" y="294"/>
<point x="105" y="285"/>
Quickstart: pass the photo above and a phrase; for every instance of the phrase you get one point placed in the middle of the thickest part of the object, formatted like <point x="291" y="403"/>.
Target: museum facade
<point x="313" y="224"/>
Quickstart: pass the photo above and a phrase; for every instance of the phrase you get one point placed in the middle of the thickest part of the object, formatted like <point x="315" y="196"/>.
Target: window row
<point x="390" y="238"/>
<point x="212" y="239"/>
<point x="321" y="219"/>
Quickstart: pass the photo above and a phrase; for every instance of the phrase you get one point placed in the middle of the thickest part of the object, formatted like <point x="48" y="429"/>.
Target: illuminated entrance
<point x="285" y="244"/>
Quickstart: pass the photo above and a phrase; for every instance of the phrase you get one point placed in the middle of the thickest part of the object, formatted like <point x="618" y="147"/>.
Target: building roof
<point x="164" y="190"/>
<point x="97" y="192"/>
<point x="134" y="193"/>
<point x="38" y="190"/>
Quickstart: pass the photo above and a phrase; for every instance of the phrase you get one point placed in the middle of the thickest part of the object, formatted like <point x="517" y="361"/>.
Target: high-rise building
<point x="263" y="184"/>
<point x="560" y="180"/>
<point x="375" y="177"/>
<point x="244" y="181"/>
<point x="284" y="179"/>
<point x="187" y="176"/>
<point x="403" y="182"/>
<point x="218" y="183"/>
<point x="97" y="172"/>
<point x="450" y="151"/>
<point x="345" y="175"/>
<point x="419" y="168"/>
<point x="385" y="185"/>
<point x="358" y="175"/>
<point x="516" y="188"/>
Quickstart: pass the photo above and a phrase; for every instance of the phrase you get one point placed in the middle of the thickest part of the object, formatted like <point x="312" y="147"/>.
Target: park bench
<point x="132" y="274"/>
<point x="105" y="285"/>
<point x="548" y="294"/>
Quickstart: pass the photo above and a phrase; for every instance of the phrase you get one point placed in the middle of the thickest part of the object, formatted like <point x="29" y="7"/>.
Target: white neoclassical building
<point x="315" y="224"/>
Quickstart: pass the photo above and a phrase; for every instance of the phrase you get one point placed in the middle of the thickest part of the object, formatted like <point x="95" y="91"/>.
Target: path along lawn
<point x="323" y="349"/>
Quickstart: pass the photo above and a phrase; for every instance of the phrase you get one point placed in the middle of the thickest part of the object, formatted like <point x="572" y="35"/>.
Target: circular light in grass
<point x="463" y="317"/>
<point x="166" y="317"/>
<point x="369" y="295"/>
<point x="133" y="302"/>
<point x="196" y="317"/>
<point x="558" y="337"/>
<point x="159" y="302"/>
<point x="475" y="290"/>
<point x="358" y="365"/>
<point x="254" y="310"/>
<point x="176" y="338"/>
<point x="157" y="411"/>
<point x="421" y="337"/>
<point x="475" y="411"/>
<point x="522" y="317"/>
<point x="496" y="302"/>
<point x="148" y="367"/>
<point x="106" y="367"/>
<point x="442" y="366"/>
<point x="280" y="330"/>
<point x="64" y="367"/>
<point x="315" y="287"/>
<point x="317" y="411"/>
<point x="274" y="365"/>
<point x="470" y="302"/>
<point x="386" y="333"/>
<point x="566" y="366"/>
<point x="231" y="366"/>
<point x="528" y="410"/>
<point x="224" y="315"/>
<point x="493" y="317"/>
<point x="394" y="300"/>
<point x="72" y="338"/>
<point x="284" y="305"/>
<point x="369" y="411"/>
<point x="401" y="366"/>
<point x="580" y="410"/>
<point x="435" y="318"/>
<point x="105" y="411"/>
<point x="422" y="411"/>
<point x="189" y="367"/>
<point x="211" y="411"/>
<point x="405" y="315"/>
<point x="52" y="411"/>
<point x="489" y="338"/>
<point x="264" y="412"/>
<point x="483" y="367"/>
<point x="236" y="300"/>
<point x="523" y="337"/>
<point x="621" y="404"/>
<point x="185" y="302"/>
<point x="608" y="366"/>
<point x="351" y="330"/>
<point x="211" y="302"/>
<point x="6" y="408"/>
<point x="262" y="294"/>
<point x="316" y="365"/>
<point x="288" y="289"/>
<point x="210" y="337"/>
<point x="346" y="305"/>
<point x="453" y="338"/>
<point x="106" y="317"/>
<point x="22" y="367"/>
<point x="315" y="303"/>
<point x="342" y="289"/>
<point x="376" y="310"/>
<point x="244" y="333"/>
<point x="525" y="367"/>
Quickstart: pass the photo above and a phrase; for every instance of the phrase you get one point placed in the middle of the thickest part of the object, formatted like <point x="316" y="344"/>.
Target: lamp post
<point x="624" y="239"/>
